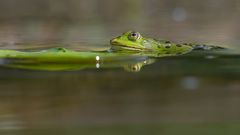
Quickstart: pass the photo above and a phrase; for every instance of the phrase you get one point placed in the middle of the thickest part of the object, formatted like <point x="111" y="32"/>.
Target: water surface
<point x="197" y="92"/>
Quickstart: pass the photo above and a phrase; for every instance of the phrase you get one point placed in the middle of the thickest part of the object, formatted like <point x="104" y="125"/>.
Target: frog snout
<point x="113" y="41"/>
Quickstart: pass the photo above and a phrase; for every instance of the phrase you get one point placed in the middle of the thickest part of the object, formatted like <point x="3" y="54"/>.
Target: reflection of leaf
<point x="131" y="64"/>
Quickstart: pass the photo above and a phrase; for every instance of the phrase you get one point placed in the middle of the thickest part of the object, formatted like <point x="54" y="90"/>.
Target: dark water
<point x="197" y="93"/>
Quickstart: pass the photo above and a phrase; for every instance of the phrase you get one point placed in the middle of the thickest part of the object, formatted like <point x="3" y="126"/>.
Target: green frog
<point x="134" y="41"/>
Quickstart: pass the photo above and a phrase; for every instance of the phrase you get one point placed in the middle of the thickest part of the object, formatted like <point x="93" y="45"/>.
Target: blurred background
<point x="95" y="22"/>
<point x="171" y="97"/>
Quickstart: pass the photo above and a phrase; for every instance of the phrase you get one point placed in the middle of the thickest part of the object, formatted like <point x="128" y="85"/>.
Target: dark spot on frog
<point x="167" y="53"/>
<point x="179" y="53"/>
<point x="178" y="45"/>
<point x="61" y="49"/>
<point x="167" y="42"/>
<point x="168" y="46"/>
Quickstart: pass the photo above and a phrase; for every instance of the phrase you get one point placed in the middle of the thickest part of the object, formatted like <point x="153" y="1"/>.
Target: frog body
<point x="134" y="41"/>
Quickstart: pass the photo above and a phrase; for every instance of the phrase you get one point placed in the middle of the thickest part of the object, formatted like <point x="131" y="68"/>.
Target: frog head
<point x="128" y="41"/>
<point x="134" y="42"/>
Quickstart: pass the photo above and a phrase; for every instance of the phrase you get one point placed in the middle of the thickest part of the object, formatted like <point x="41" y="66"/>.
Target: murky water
<point x="196" y="93"/>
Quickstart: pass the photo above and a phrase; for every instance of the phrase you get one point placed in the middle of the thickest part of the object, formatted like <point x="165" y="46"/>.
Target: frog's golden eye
<point x="134" y="36"/>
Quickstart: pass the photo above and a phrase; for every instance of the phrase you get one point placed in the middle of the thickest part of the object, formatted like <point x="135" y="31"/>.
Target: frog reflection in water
<point x="125" y="51"/>
<point x="136" y="67"/>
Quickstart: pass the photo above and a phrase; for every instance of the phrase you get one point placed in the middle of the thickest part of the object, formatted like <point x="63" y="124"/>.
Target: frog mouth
<point x="116" y="46"/>
<point x="121" y="47"/>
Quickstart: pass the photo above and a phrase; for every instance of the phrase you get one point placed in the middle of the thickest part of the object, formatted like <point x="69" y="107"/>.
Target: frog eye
<point x="134" y="36"/>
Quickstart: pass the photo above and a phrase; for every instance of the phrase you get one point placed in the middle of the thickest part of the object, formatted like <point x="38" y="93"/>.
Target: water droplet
<point x="97" y="58"/>
<point x="97" y="65"/>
